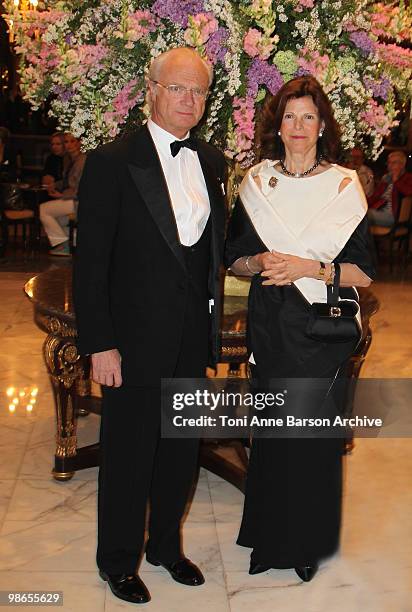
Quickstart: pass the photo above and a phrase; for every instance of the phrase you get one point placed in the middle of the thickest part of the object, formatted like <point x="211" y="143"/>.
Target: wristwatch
<point x="322" y="270"/>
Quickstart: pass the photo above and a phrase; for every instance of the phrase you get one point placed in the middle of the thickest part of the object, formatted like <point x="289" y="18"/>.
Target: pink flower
<point x="201" y="27"/>
<point x="349" y="26"/>
<point x="307" y="3"/>
<point x="91" y="55"/>
<point x="139" y="24"/>
<point x="257" y="45"/>
<point x="396" y="56"/>
<point x="243" y="117"/>
<point x="125" y="100"/>
<point x="375" y="117"/>
<point x="251" y="41"/>
<point x="313" y="62"/>
<point x="379" y="22"/>
<point x="47" y="58"/>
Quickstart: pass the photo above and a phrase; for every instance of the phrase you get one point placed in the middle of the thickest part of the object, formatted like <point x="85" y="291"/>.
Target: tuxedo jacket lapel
<point x="146" y="171"/>
<point x="147" y="174"/>
<point x="215" y="186"/>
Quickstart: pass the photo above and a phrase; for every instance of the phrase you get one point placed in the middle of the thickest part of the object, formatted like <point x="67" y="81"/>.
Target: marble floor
<point x="48" y="529"/>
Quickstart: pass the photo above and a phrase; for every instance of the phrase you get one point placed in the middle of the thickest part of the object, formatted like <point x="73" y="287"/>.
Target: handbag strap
<point x="332" y="291"/>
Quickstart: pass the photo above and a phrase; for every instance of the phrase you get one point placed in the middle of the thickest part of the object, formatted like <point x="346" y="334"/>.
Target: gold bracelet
<point x="331" y="278"/>
<point x="322" y="270"/>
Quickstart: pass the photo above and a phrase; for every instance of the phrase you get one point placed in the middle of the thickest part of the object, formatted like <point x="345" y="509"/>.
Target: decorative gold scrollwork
<point x="61" y="359"/>
<point x="64" y="366"/>
<point x="65" y="447"/>
<point x="234" y="351"/>
<point x="53" y="325"/>
<point x="69" y="354"/>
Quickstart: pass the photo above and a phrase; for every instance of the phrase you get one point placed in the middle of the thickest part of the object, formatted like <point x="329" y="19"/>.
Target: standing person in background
<point x="54" y="213"/>
<point x="55" y="161"/>
<point x="396" y="184"/>
<point x="147" y="268"/>
<point x="365" y="174"/>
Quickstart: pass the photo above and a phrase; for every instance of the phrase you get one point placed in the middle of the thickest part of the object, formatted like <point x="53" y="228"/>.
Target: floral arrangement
<point x="392" y="20"/>
<point x="91" y="57"/>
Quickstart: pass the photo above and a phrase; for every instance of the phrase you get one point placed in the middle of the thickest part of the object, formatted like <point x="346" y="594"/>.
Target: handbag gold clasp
<point x="335" y="311"/>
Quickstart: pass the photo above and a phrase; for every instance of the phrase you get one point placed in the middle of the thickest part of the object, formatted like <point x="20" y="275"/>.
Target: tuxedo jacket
<point x="130" y="281"/>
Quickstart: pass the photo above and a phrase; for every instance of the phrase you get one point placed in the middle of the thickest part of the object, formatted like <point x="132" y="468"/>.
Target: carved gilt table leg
<point x="83" y="384"/>
<point x="64" y="367"/>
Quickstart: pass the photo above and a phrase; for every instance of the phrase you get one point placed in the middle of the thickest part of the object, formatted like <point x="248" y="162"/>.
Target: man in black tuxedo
<point x="146" y="273"/>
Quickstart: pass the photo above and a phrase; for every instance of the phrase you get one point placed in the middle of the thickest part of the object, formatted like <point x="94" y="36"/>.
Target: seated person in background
<point x="54" y="213"/>
<point x="395" y="185"/>
<point x="56" y="161"/>
<point x="365" y="174"/>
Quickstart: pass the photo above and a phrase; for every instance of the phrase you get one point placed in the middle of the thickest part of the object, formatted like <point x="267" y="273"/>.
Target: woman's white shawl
<point x="326" y="229"/>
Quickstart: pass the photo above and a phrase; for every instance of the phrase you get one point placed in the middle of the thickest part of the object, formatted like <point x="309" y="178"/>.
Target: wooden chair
<point x="398" y="235"/>
<point x="27" y="219"/>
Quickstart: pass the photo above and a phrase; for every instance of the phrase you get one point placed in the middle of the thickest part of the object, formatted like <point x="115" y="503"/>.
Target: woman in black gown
<point x="297" y="214"/>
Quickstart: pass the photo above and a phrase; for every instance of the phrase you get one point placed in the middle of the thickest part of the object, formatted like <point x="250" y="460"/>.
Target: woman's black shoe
<point x="258" y="568"/>
<point x="129" y="588"/>
<point x="306" y="572"/>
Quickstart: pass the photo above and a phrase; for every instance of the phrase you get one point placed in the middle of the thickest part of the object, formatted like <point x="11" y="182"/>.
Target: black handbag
<point x="336" y="320"/>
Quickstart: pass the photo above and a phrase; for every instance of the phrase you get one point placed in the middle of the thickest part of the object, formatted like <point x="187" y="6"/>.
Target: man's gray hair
<point x="157" y="62"/>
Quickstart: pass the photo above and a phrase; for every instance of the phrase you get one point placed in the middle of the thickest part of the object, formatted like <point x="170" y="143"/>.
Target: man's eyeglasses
<point x="178" y="91"/>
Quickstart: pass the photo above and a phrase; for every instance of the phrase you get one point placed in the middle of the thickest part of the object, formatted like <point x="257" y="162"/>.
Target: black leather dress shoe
<point x="127" y="587"/>
<point x="182" y="570"/>
<point x="258" y="568"/>
<point x="306" y="572"/>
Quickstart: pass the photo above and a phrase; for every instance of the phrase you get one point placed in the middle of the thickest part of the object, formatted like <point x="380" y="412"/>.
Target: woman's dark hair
<point x="271" y="145"/>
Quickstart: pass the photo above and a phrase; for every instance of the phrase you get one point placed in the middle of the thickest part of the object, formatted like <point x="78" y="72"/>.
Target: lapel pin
<point x="273" y="181"/>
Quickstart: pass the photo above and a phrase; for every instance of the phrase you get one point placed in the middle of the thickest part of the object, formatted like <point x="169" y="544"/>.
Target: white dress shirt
<point x="186" y="185"/>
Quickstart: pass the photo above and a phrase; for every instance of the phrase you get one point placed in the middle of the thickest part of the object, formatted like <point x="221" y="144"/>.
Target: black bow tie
<point x="175" y="146"/>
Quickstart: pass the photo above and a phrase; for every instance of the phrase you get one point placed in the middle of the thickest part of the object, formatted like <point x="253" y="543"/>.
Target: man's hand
<point x="106" y="368"/>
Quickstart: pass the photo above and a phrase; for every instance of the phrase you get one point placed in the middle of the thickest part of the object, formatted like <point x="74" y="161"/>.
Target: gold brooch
<point x="273" y="181"/>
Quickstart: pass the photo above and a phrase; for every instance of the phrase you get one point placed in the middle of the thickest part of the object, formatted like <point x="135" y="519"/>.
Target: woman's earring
<point x="321" y="134"/>
<point x="279" y="133"/>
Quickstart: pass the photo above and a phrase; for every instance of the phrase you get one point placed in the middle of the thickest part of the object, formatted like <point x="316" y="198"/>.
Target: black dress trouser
<point x="137" y="465"/>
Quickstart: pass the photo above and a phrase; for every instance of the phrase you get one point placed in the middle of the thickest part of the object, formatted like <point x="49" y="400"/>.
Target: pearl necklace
<point x="300" y="174"/>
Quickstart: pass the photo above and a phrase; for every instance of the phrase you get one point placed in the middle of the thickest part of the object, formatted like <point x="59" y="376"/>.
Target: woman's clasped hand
<point x="282" y="268"/>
